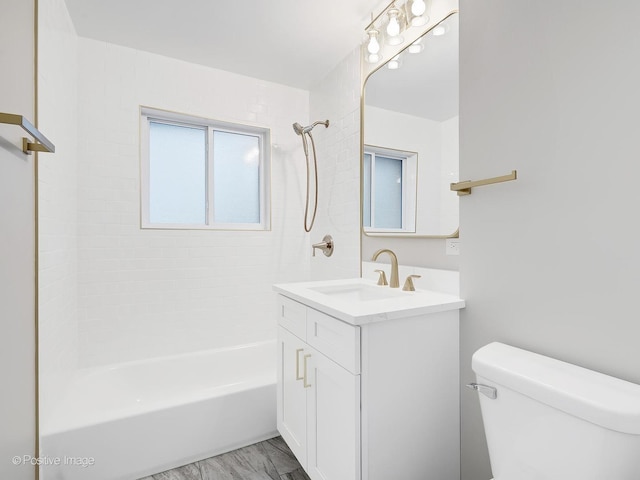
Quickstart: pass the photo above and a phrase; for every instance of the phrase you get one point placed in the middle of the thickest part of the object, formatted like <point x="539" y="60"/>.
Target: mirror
<point x="410" y="133"/>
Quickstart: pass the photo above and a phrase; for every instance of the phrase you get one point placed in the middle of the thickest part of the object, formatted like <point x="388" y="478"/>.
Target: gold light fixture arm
<point x="43" y="145"/>
<point x="374" y="20"/>
<point x="464" y="188"/>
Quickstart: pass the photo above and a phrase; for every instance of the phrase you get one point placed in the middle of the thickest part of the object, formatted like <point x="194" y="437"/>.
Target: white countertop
<point x="356" y="300"/>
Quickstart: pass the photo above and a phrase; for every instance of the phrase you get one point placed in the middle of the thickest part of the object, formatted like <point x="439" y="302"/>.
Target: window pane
<point x="388" y="192"/>
<point x="366" y="203"/>
<point x="236" y="178"/>
<point x="177" y="174"/>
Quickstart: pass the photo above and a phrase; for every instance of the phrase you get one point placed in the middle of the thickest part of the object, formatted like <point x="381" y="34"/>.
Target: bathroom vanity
<point x="368" y="380"/>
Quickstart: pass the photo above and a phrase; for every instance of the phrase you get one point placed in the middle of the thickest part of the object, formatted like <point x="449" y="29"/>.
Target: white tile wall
<point x="145" y="293"/>
<point x="57" y="198"/>
<point x="337" y="98"/>
<point x="130" y="293"/>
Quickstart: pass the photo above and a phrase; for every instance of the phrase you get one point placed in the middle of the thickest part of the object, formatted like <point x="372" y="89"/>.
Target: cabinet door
<point x="333" y="429"/>
<point x="292" y="396"/>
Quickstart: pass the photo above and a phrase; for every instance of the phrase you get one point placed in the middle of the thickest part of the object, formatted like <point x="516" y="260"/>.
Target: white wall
<point x="57" y="201"/>
<point x="145" y="293"/>
<point x="17" y="243"/>
<point x="548" y="261"/>
<point x="337" y="98"/>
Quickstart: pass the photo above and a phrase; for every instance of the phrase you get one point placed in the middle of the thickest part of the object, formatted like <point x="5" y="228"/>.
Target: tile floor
<point x="268" y="460"/>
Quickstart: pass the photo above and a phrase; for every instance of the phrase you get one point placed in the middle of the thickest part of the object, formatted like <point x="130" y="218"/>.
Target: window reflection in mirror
<point x="414" y="109"/>
<point x="389" y="197"/>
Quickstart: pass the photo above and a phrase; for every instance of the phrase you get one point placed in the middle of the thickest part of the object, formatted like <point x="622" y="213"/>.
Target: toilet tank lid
<point x="598" y="398"/>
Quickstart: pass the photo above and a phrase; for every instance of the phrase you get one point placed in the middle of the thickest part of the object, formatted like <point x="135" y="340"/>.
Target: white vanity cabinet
<point x="318" y="400"/>
<point x="369" y="397"/>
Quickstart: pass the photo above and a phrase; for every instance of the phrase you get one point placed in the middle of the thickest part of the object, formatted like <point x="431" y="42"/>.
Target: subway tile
<point x="110" y="91"/>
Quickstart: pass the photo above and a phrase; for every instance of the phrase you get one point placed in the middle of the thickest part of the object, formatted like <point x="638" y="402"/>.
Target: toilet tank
<point x="552" y="420"/>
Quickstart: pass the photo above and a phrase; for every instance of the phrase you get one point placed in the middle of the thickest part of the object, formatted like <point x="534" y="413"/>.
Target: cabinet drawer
<point x="292" y="316"/>
<point x="336" y="339"/>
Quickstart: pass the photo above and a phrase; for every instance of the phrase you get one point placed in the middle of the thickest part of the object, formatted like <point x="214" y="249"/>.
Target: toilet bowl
<point x="549" y="420"/>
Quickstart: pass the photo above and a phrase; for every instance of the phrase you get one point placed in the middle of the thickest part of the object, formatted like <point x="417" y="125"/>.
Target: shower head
<point x="299" y="129"/>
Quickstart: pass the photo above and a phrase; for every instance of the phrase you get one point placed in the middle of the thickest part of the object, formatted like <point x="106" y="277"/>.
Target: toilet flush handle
<point x="486" y="390"/>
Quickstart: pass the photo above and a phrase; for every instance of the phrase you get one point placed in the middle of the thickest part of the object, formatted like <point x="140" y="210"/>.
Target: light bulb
<point x="419" y="21"/>
<point x="439" y="30"/>
<point x="393" y="28"/>
<point x="397" y="40"/>
<point x="418" y="7"/>
<point x="416" y="47"/>
<point x="394" y="63"/>
<point x="373" y="46"/>
<point x="373" y="58"/>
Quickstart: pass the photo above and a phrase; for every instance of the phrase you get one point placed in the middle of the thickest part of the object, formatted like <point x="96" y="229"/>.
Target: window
<point x="203" y="174"/>
<point x="389" y="190"/>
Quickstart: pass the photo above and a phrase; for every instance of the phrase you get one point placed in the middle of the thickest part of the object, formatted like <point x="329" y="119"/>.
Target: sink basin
<point x="357" y="292"/>
<point x="359" y="301"/>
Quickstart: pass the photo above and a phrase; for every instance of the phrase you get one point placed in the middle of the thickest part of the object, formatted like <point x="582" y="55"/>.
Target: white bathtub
<point x="130" y="420"/>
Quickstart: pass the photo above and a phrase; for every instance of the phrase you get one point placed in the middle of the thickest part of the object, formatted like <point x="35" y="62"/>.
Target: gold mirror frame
<point x="388" y="55"/>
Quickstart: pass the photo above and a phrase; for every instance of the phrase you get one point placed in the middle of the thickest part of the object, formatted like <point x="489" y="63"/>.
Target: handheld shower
<point x="304" y="132"/>
<point x="300" y="130"/>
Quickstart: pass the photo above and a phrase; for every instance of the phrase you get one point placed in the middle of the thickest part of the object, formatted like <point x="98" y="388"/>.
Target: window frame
<point x="148" y="115"/>
<point x="409" y="187"/>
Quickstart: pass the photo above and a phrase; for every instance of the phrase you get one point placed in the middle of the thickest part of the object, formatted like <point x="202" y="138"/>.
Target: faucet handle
<point x="382" y="280"/>
<point x="408" y="283"/>
<point x="326" y="245"/>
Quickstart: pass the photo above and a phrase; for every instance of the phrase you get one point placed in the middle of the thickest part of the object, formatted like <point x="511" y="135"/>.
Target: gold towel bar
<point x="44" y="144"/>
<point x="464" y="188"/>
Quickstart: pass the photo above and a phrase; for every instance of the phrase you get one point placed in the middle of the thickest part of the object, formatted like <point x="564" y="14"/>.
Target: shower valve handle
<point x="326" y="245"/>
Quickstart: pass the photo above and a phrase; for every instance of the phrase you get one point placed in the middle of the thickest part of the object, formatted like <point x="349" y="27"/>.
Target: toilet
<point x="549" y="420"/>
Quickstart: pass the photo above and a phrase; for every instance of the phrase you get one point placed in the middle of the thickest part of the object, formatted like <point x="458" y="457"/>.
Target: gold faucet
<point x="394" y="282"/>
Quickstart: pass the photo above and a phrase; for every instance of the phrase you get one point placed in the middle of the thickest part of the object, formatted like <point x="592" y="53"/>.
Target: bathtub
<point x="130" y="420"/>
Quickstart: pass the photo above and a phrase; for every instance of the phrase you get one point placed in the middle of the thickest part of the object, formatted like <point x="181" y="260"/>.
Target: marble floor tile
<point x="248" y="463"/>
<point x="188" y="472"/>
<point x="298" y="474"/>
<point x="281" y="456"/>
<point x="268" y="460"/>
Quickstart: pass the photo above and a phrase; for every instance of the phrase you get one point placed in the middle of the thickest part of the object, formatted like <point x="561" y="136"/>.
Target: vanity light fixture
<point x="418" y="8"/>
<point x="373" y="46"/>
<point x="394" y="27"/>
<point x="388" y="26"/>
